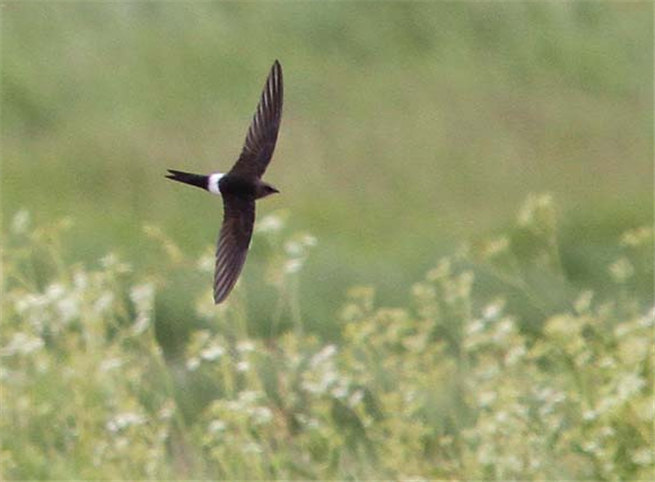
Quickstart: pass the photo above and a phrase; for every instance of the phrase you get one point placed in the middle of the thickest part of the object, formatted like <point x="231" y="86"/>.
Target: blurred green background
<point x="407" y="127"/>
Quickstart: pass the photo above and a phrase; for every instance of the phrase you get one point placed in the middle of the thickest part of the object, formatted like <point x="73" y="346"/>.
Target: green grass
<point x="454" y="385"/>
<point x="408" y="127"/>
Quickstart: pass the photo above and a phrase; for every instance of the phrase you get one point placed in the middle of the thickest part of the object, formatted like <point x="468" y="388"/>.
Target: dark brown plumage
<point x="262" y="134"/>
<point x="233" y="242"/>
<point x="242" y="185"/>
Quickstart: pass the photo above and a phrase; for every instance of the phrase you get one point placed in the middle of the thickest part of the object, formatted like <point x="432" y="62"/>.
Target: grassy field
<point x="453" y="386"/>
<point x="412" y="133"/>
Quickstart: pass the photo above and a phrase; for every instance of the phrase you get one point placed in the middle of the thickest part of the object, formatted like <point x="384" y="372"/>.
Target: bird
<point x="242" y="185"/>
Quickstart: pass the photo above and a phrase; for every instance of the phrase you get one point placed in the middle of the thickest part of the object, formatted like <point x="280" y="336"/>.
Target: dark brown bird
<point x="242" y="185"/>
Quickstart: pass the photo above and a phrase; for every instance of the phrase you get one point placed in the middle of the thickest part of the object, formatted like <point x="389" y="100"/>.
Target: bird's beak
<point x="276" y="191"/>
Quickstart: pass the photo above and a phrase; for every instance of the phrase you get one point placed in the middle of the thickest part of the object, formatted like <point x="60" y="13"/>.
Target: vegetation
<point x="524" y="353"/>
<point x="454" y="385"/>
<point x="407" y="127"/>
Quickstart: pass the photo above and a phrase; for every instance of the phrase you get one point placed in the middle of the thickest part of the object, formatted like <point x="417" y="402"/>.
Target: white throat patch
<point x="212" y="184"/>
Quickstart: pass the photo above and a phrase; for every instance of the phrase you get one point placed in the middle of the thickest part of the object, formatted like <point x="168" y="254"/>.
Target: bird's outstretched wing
<point x="233" y="242"/>
<point x="262" y="134"/>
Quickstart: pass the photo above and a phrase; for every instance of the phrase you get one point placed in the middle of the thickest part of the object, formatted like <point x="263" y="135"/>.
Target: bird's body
<point x="242" y="185"/>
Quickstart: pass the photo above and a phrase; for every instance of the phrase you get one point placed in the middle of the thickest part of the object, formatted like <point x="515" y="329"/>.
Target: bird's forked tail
<point x="197" y="180"/>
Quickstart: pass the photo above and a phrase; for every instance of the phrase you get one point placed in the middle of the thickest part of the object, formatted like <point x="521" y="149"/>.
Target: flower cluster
<point x="458" y="384"/>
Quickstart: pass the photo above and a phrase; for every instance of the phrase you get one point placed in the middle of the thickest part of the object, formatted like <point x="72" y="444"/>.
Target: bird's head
<point x="264" y="190"/>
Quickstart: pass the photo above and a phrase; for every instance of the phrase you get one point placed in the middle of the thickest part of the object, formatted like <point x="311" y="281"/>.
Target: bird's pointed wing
<point x="262" y="134"/>
<point x="233" y="242"/>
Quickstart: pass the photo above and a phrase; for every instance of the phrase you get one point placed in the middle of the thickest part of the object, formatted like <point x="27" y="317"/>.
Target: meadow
<point x="453" y="386"/>
<point x="456" y="280"/>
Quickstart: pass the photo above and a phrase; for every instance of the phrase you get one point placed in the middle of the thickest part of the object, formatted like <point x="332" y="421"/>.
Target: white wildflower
<point x="583" y="303"/>
<point x="142" y="294"/>
<point x="69" y="308"/>
<point x="80" y="280"/>
<point x="340" y="388"/>
<point x="515" y="354"/>
<point x="309" y="240"/>
<point x="245" y="346"/>
<point x="648" y="319"/>
<point x="261" y="415"/>
<point x="475" y="327"/>
<point x="486" y="399"/>
<point x="537" y="211"/>
<point x="621" y="270"/>
<point x="54" y="291"/>
<point x="192" y="363"/>
<point x="485" y="455"/>
<point x="211" y="353"/>
<point x="110" y="364"/>
<point x="464" y="284"/>
<point x="206" y="263"/>
<point x="21" y="222"/>
<point x="413" y="478"/>
<point x="637" y="237"/>
<point x="643" y="456"/>
<point x="493" y="310"/>
<point x="249" y="396"/>
<point x="503" y="329"/>
<point x="605" y="404"/>
<point x="252" y="448"/>
<point x="22" y="343"/>
<point x="103" y="303"/>
<point x="25" y="303"/>
<point x="322" y="356"/>
<point x="590" y="415"/>
<point x="442" y="270"/>
<point x="629" y="385"/>
<point x="124" y="420"/>
<point x="111" y="262"/>
<point x="513" y="462"/>
<point x="606" y="362"/>
<point x="502" y="417"/>
<point x="356" y="397"/>
<point x="216" y="426"/>
<point x="293" y="248"/>
<point x="270" y="224"/>
<point x="167" y="410"/>
<point x="606" y="432"/>
<point x="293" y="266"/>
